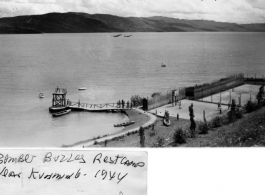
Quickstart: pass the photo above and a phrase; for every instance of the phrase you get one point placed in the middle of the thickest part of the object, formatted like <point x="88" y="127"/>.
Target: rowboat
<point x="124" y="124"/>
<point x="166" y="122"/>
<point x="61" y="113"/>
<point x="117" y="35"/>
<point x="82" y="88"/>
<point x="41" y="95"/>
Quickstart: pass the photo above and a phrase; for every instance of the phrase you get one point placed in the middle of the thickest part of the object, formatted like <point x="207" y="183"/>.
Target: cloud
<point x="239" y="11"/>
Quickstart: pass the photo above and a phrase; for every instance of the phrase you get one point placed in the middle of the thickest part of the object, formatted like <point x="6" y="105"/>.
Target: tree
<point x="260" y="95"/>
<point x="232" y="111"/>
<point x="192" y="122"/>
<point x="142" y="136"/>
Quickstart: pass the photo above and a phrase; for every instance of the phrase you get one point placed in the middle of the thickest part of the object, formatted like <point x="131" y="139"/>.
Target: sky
<point x="235" y="11"/>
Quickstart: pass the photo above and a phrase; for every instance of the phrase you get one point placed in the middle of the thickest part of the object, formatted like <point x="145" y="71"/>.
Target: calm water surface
<point x="111" y="69"/>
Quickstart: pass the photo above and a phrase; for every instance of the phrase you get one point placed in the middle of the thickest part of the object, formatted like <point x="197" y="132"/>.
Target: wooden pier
<point x="107" y="107"/>
<point x="60" y="103"/>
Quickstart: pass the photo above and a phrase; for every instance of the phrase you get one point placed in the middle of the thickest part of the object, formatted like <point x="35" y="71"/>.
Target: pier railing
<point x="101" y="106"/>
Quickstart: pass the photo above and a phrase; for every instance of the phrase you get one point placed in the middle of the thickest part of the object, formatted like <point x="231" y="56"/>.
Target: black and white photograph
<point x="128" y="97"/>
<point x="132" y="73"/>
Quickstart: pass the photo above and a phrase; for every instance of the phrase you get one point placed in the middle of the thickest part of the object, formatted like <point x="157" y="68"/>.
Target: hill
<point x="85" y="23"/>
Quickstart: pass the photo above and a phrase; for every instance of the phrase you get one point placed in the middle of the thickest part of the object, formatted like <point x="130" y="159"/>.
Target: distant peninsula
<point x="73" y="22"/>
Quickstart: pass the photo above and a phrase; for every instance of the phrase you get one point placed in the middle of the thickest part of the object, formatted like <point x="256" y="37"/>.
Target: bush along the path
<point x="179" y="137"/>
<point x="250" y="106"/>
<point x="217" y="121"/>
<point x="239" y="114"/>
<point x="204" y="127"/>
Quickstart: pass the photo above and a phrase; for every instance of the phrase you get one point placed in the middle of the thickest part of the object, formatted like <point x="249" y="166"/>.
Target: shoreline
<point x="203" y="109"/>
<point x="140" y="117"/>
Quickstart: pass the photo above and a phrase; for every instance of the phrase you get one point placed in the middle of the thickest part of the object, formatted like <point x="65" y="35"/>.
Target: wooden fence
<point x="166" y="98"/>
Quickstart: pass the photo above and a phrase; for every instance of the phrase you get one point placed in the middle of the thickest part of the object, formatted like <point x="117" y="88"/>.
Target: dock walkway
<point x="108" y="107"/>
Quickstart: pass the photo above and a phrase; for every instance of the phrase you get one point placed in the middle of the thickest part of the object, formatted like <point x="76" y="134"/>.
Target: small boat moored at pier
<point x="124" y="124"/>
<point x="61" y="113"/>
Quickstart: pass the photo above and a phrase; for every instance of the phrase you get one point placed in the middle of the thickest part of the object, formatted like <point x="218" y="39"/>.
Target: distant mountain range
<point x="87" y="23"/>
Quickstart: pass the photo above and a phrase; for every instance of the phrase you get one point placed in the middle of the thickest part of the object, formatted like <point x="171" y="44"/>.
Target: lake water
<point x="111" y="69"/>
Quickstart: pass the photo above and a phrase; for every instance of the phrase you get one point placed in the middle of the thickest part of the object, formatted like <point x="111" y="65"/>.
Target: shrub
<point x="179" y="137"/>
<point x="239" y="114"/>
<point x="204" y="127"/>
<point x="217" y="122"/>
<point x="250" y="106"/>
<point x="95" y="143"/>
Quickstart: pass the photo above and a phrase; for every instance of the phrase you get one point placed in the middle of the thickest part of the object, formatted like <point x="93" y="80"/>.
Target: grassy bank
<point x="160" y="136"/>
<point x="245" y="132"/>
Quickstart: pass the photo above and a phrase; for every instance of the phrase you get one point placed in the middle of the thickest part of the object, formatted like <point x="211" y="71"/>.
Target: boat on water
<point x="54" y="109"/>
<point x="82" y="88"/>
<point x="41" y="95"/>
<point x="124" y="124"/>
<point x="117" y="35"/>
<point x="166" y="122"/>
<point x="163" y="65"/>
<point x="61" y="113"/>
